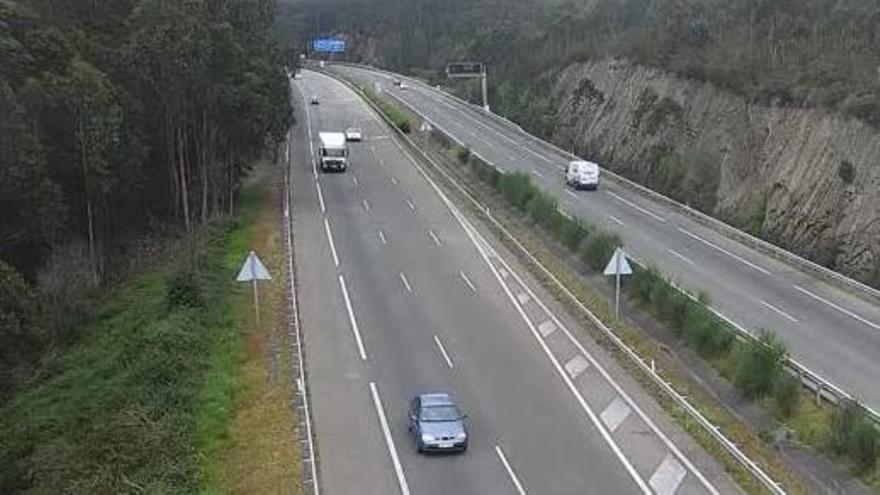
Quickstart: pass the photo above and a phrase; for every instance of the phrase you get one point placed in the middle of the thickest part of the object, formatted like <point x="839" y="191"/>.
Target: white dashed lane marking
<point x="467" y="281"/>
<point x="523" y="298"/>
<point x="779" y="312"/>
<point x="615" y="414"/>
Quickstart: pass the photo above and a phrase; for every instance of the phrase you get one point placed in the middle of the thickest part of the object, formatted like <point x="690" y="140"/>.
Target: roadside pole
<point x="253" y="270"/>
<point x="485" y="89"/>
<point x="618" y="266"/>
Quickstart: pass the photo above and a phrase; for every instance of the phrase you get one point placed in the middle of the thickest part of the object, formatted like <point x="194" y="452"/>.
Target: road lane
<point x="499" y="375"/>
<point x="836" y="334"/>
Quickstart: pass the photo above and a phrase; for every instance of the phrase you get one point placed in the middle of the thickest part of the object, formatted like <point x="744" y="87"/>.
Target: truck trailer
<point x="333" y="152"/>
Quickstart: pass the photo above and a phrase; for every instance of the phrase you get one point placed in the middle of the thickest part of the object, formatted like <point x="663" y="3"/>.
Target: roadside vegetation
<point x="165" y="391"/>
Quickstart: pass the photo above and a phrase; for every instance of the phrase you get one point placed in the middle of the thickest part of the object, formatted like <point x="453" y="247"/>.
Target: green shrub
<point x="598" y="249"/>
<point x="854" y="435"/>
<point x="571" y="232"/>
<point x="183" y="290"/>
<point x="541" y="209"/>
<point x="517" y="189"/>
<point x="786" y="394"/>
<point x="705" y="332"/>
<point x="643" y="282"/>
<point x="757" y="364"/>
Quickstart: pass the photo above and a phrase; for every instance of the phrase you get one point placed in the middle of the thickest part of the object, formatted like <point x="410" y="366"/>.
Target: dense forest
<point x="810" y="53"/>
<point x="120" y="122"/>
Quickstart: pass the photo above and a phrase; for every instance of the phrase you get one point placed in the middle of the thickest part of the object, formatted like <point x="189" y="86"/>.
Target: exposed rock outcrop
<point x="805" y="179"/>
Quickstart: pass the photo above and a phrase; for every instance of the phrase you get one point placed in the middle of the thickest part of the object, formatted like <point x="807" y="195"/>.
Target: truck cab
<point x="333" y="151"/>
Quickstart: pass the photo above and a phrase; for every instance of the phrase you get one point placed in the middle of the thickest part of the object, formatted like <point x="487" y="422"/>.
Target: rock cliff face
<point x="804" y="179"/>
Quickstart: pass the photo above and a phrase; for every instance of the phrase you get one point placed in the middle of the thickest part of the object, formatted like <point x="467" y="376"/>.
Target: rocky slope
<point x="807" y="180"/>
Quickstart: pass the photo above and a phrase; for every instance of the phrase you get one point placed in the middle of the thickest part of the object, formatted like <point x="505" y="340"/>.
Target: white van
<point x="333" y="152"/>
<point x="582" y="175"/>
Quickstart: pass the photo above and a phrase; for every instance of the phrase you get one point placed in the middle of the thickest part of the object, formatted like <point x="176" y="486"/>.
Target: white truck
<point x="582" y="175"/>
<point x="333" y="152"/>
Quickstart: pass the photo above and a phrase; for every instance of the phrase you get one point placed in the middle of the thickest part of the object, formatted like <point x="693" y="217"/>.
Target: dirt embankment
<point x="804" y="179"/>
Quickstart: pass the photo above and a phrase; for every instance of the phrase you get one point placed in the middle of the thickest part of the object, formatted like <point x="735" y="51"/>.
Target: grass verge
<point x="148" y="397"/>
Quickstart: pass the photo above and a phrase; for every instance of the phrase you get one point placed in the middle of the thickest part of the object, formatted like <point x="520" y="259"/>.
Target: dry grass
<point x="262" y="452"/>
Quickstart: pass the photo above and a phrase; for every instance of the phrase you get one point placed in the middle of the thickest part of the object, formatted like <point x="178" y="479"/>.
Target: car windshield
<point x="440" y="413"/>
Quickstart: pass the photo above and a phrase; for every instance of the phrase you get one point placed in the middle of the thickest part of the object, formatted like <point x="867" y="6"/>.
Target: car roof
<point x="436" y="399"/>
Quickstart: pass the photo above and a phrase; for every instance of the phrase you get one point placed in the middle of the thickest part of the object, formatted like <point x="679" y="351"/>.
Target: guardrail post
<point x="818" y="393"/>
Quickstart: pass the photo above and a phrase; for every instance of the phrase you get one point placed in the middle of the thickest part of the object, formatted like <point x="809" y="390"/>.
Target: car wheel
<point x="420" y="447"/>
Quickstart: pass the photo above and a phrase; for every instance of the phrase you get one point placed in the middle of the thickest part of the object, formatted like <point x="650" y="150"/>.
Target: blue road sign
<point x="328" y="45"/>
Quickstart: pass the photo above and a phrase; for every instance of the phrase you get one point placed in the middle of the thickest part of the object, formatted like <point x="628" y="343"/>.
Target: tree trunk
<point x="181" y="170"/>
<point x="203" y="147"/>
<point x="90" y="220"/>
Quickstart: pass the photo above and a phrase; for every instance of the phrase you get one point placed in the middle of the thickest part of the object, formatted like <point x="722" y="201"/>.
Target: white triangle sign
<point x="618" y="264"/>
<point x="253" y="269"/>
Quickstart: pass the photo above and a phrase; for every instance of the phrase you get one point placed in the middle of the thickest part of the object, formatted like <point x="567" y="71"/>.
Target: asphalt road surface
<point x="831" y="332"/>
<point x="401" y="294"/>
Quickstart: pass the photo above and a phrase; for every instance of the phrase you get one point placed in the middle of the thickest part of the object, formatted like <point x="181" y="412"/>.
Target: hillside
<point x="762" y="112"/>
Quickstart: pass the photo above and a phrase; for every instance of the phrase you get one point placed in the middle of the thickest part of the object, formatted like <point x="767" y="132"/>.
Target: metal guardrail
<point x="820" y="386"/>
<point x="729" y="446"/>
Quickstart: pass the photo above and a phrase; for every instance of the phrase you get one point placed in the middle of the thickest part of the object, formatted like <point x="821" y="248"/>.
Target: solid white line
<point x="405" y="282"/>
<point x="637" y="207"/>
<point x="472" y="233"/>
<point x="839" y="308"/>
<point x="386" y="431"/>
<point x="779" y="311"/>
<point x="573" y="195"/>
<point x="721" y="249"/>
<point x="320" y="196"/>
<point x="411" y="205"/>
<point x="351" y="318"/>
<point x="681" y="257"/>
<point x="516" y="483"/>
<point x="332" y="244"/>
<point x="382" y="237"/>
<point x="366" y="205"/>
<point x="617" y="220"/>
<point x="467" y="281"/>
<point x="307" y="416"/>
<point x="434" y="237"/>
<point x="443" y="351"/>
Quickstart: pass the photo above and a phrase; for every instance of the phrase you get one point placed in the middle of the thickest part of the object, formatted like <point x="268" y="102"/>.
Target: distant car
<point x="396" y="81"/>
<point x="353" y="134"/>
<point x="403" y="86"/>
<point x="297" y="76"/>
<point x="315" y="100"/>
<point x="436" y="424"/>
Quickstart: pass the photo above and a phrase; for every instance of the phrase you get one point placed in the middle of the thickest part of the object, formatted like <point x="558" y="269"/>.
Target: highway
<point x="833" y="333"/>
<point x="400" y="293"/>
